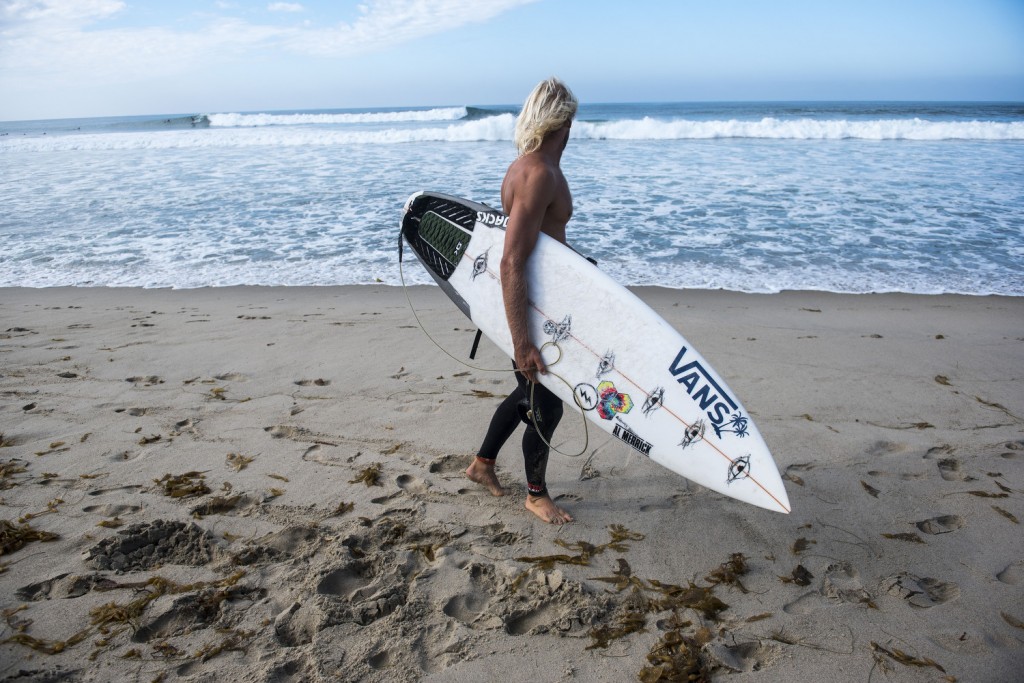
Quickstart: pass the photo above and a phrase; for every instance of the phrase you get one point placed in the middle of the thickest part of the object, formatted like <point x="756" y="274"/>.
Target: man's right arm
<point x="532" y="197"/>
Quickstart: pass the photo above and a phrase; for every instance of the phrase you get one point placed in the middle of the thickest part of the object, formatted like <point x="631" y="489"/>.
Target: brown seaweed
<point x="369" y="475"/>
<point x="986" y="494"/>
<point x="342" y="508"/>
<point x="800" y="545"/>
<point x="630" y="621"/>
<point x="677" y="657"/>
<point x="185" y="485"/>
<point x="729" y="572"/>
<point x="903" y="658"/>
<point x="584" y="550"/>
<point x="872" y="491"/>
<point x="234" y="641"/>
<point x="800" y="576"/>
<point x="237" y="461"/>
<point x="1009" y="515"/>
<point x="15" y="537"/>
<point x="8" y="470"/>
<point x="910" y="537"/>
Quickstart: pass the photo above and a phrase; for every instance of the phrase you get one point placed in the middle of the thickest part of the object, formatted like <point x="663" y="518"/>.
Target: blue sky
<point x="70" y="58"/>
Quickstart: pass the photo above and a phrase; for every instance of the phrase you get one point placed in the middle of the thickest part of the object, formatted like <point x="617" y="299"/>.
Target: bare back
<point x="532" y="178"/>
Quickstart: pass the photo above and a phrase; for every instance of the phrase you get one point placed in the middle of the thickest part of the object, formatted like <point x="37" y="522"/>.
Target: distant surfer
<point x="536" y="198"/>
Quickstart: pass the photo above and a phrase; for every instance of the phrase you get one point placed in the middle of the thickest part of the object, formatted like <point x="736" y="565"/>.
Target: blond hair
<point x="549" y="107"/>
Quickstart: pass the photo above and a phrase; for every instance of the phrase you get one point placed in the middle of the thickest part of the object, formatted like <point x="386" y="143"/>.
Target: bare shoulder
<point x="528" y="175"/>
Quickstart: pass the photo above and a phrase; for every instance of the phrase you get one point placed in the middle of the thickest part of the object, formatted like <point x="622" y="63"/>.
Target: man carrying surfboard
<point x="535" y="196"/>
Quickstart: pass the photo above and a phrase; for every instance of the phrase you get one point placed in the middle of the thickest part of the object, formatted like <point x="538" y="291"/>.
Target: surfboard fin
<point x="476" y="343"/>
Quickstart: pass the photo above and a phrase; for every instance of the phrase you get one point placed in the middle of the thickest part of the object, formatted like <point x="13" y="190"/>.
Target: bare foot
<point x="483" y="473"/>
<point x="545" y="508"/>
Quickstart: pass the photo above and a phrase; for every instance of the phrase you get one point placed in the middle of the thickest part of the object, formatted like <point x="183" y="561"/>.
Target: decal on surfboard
<point x="693" y="433"/>
<point x="739" y="469"/>
<point x="704" y="390"/>
<point x="479" y="265"/>
<point x="606" y="364"/>
<point x="654" y="401"/>
<point x="559" y="331"/>
<point x="611" y="402"/>
<point x="623" y="433"/>
<point x="586" y="396"/>
<point x="738" y="424"/>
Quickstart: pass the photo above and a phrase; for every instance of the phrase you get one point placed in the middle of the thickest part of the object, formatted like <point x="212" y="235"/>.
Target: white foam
<point x="232" y="120"/>
<point x="800" y="129"/>
<point x="501" y="128"/>
<point x="492" y="128"/>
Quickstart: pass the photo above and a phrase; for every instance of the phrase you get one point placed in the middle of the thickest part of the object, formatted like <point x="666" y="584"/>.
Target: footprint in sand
<point x="313" y="382"/>
<point x="112" y="510"/>
<point x="949" y="469"/>
<point x="466" y="607"/>
<point x="231" y="377"/>
<point x="841" y="584"/>
<point x="283" y="432"/>
<point x="146" y="381"/>
<point x="507" y="538"/>
<point x="942" y="524"/>
<point x="494" y="381"/>
<point x="479" y="492"/>
<point x="743" y="657"/>
<point x="921" y="592"/>
<point x="381" y="660"/>
<point x="1013" y="449"/>
<point x="883" y="448"/>
<point x="1013" y="574"/>
<point x="939" y="452"/>
<point x="373" y="594"/>
<point x="119" y="489"/>
<point x="317" y="454"/>
<point x="449" y="464"/>
<point x="63" y="586"/>
<point x="529" y="622"/>
<point x="411" y="484"/>
<point x="666" y="504"/>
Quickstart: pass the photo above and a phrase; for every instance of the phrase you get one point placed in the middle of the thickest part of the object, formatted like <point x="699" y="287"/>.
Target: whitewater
<point x="848" y="197"/>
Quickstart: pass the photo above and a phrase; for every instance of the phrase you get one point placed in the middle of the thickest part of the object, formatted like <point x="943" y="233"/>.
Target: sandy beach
<point x="266" y="484"/>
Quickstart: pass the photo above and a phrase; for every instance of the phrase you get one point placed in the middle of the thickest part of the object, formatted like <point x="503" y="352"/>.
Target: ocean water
<point x="757" y="197"/>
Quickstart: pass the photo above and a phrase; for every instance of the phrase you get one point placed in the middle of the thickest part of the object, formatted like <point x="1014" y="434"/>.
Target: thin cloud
<point x="386" y="23"/>
<point x="47" y="43"/>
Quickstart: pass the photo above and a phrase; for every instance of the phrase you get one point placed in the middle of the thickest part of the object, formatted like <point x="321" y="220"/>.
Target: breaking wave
<point x="308" y="119"/>
<point x="477" y="125"/>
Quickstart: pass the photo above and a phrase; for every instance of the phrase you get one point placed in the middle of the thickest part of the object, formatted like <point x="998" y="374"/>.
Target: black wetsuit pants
<point x="547" y="411"/>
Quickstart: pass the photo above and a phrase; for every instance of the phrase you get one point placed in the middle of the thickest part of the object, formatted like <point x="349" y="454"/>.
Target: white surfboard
<point x="631" y="373"/>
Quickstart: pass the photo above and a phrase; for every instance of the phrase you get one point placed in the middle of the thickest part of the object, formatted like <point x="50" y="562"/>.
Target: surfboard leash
<point x="472" y="355"/>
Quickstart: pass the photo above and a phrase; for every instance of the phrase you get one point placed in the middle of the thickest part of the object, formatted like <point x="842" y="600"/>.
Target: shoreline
<point x="897" y="421"/>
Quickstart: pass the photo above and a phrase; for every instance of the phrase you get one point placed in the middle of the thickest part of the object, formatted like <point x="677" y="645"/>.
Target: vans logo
<point x="709" y="395"/>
